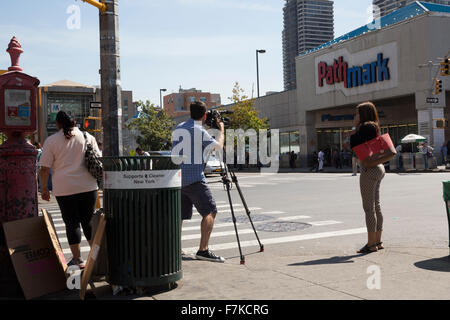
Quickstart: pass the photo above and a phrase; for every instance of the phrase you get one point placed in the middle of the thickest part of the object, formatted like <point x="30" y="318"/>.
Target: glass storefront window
<point x="77" y="106"/>
<point x="289" y="141"/>
<point x="284" y="143"/>
<point x="294" y="141"/>
<point x="339" y="138"/>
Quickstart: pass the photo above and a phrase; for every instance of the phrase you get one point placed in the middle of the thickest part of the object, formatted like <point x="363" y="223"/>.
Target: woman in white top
<point x="74" y="187"/>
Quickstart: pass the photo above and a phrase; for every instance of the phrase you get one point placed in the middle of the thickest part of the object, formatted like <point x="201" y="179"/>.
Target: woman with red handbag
<point x="368" y="128"/>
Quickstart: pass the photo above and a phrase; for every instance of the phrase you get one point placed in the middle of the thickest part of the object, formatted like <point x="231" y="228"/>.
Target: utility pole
<point x="111" y="90"/>
<point x="110" y="79"/>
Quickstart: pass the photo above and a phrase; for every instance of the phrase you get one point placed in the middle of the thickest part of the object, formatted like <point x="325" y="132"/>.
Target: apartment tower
<point x="307" y="25"/>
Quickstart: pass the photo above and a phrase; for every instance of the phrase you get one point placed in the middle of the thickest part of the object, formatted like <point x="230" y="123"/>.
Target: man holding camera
<point x="194" y="189"/>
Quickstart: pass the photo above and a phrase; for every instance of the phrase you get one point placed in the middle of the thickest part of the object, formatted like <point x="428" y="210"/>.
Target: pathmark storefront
<point x="392" y="63"/>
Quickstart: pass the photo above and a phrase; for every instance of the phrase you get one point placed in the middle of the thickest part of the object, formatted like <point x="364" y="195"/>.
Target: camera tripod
<point x="229" y="178"/>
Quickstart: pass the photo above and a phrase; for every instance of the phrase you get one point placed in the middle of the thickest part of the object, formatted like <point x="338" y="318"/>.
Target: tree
<point x="154" y="127"/>
<point x="2" y="138"/>
<point x="245" y="116"/>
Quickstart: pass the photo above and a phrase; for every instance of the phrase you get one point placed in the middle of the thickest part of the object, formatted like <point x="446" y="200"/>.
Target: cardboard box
<point x="93" y="255"/>
<point x="36" y="255"/>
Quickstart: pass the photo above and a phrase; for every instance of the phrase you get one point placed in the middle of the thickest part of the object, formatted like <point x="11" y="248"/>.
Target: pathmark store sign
<point x="357" y="73"/>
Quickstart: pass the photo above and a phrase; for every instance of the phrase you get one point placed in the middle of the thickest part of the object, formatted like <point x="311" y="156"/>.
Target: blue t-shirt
<point x="193" y="165"/>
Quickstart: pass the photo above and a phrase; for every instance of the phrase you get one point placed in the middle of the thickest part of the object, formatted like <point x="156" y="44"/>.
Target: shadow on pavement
<point x="105" y="292"/>
<point x="437" y="264"/>
<point x="333" y="260"/>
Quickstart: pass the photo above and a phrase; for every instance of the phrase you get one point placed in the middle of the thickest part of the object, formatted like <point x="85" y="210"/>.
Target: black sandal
<point x="366" y="249"/>
<point x="379" y="244"/>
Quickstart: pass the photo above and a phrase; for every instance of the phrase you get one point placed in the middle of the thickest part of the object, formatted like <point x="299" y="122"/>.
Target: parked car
<point x="160" y="153"/>
<point x="214" y="165"/>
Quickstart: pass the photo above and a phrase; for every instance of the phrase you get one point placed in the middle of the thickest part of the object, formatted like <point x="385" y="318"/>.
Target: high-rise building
<point x="307" y="25"/>
<point x="384" y="7"/>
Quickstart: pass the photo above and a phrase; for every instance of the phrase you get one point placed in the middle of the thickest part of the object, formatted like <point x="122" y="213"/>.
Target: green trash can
<point x="447" y="203"/>
<point x="142" y="203"/>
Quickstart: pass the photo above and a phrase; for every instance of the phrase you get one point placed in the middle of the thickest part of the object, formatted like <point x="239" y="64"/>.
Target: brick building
<point x="177" y="104"/>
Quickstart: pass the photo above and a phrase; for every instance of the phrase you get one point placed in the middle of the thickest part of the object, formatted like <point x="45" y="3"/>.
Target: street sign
<point x="95" y="105"/>
<point x="432" y="100"/>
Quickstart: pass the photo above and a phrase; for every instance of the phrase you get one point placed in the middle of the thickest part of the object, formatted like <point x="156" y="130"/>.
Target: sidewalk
<point x="404" y="273"/>
<point x="295" y="273"/>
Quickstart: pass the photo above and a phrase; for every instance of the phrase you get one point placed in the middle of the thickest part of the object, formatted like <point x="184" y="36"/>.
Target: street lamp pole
<point x="257" y="69"/>
<point x="160" y="97"/>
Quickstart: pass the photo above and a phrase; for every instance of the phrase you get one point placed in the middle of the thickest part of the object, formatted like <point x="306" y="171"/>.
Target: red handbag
<point x="376" y="151"/>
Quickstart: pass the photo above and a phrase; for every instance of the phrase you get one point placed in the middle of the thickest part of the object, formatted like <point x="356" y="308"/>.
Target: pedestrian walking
<point x="74" y="187"/>
<point x="292" y="158"/>
<point x="141" y="153"/>
<point x="448" y="149"/>
<point x="100" y="148"/>
<point x="38" y="156"/>
<point x="427" y="152"/>
<point x="399" y="156"/>
<point x="315" y="166"/>
<point x="367" y="128"/>
<point x="355" y="164"/>
<point x="321" y="158"/>
<point x="194" y="190"/>
<point x="444" y="152"/>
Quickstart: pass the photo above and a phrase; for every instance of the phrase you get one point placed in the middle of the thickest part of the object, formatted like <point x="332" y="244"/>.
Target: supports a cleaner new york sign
<point x="154" y="179"/>
<point x="357" y="73"/>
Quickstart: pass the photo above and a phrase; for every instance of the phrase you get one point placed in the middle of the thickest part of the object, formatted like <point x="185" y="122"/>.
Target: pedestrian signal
<point x="89" y="124"/>
<point x="437" y="86"/>
<point x="445" y="67"/>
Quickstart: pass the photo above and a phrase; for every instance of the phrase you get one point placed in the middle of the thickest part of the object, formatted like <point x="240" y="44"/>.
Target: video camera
<point x="213" y="115"/>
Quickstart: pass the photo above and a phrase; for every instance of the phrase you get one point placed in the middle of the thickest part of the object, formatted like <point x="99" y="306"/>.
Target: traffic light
<point x="445" y="68"/>
<point x="89" y="124"/>
<point x="437" y="86"/>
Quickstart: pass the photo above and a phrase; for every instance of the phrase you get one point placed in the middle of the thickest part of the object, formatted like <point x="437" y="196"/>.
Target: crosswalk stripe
<point x="324" y="223"/>
<point x="64" y="240"/>
<point x="232" y="245"/>
<point x="239" y="210"/>
<point x="273" y="212"/>
<point x="82" y="249"/>
<point x="228" y="206"/>
<point x="279" y="240"/>
<point x="247" y="231"/>
<point x="60" y="225"/>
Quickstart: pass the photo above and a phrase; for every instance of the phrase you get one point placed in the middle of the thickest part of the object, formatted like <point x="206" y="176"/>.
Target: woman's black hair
<point x="66" y="122"/>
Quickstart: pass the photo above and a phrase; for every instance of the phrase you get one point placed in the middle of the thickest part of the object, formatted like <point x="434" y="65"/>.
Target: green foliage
<point x="2" y="138"/>
<point x="245" y="116"/>
<point x="154" y="127"/>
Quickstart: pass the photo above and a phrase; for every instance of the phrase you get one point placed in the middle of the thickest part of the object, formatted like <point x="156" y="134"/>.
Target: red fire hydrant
<point x="18" y="181"/>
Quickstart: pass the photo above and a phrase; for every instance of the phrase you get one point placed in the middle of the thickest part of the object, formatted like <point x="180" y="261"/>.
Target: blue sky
<point x="207" y="44"/>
